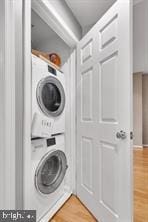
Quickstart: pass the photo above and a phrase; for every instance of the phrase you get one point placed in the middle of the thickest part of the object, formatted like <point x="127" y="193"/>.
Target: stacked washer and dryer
<point x="48" y="154"/>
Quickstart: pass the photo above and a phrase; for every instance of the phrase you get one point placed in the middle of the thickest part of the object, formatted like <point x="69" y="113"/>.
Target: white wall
<point x="54" y="44"/>
<point x="140" y="37"/>
<point x="45" y="39"/>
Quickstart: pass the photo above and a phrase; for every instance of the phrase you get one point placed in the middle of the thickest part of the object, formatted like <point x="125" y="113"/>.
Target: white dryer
<point x="48" y="181"/>
<point x="48" y="98"/>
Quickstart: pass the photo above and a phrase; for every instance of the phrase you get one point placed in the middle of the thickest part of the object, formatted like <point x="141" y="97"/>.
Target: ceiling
<point x="88" y="12"/>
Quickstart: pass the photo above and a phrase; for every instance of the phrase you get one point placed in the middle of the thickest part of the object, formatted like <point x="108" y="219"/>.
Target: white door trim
<point x="19" y="102"/>
<point x="27" y="103"/>
<point x="71" y="117"/>
<point x="11" y="110"/>
<point x="7" y="108"/>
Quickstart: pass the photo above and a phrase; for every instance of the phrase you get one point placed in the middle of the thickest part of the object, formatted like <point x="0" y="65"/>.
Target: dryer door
<point x="51" y="96"/>
<point x="50" y="172"/>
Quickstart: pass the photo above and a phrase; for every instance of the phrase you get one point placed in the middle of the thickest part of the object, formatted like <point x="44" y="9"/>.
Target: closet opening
<point x="52" y="122"/>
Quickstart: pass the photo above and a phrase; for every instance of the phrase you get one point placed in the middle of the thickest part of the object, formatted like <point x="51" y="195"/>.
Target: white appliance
<point x="48" y="178"/>
<point x="48" y="99"/>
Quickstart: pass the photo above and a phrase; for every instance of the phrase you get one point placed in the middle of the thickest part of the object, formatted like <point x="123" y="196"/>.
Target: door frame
<point x="70" y="138"/>
<point x="11" y="105"/>
<point x="15" y="110"/>
<point x="7" y="109"/>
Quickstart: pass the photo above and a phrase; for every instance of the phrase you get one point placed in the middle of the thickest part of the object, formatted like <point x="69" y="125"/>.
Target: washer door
<point x="51" y="96"/>
<point x="50" y="172"/>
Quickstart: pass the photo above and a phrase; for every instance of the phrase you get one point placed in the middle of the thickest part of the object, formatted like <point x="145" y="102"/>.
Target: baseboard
<point x="55" y="208"/>
<point x="140" y="147"/>
<point x="137" y="146"/>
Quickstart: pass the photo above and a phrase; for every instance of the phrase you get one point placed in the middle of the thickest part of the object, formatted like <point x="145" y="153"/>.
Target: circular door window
<point x="51" y="96"/>
<point x="50" y="172"/>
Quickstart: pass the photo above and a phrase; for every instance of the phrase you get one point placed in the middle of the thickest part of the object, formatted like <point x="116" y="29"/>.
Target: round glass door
<point x="51" y="96"/>
<point x="50" y="172"/>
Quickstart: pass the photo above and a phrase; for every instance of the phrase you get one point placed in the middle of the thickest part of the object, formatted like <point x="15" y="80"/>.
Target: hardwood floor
<point x="74" y="211"/>
<point x="141" y="185"/>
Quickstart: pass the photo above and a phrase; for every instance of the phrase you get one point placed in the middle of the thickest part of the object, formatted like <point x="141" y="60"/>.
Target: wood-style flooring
<point x="141" y="185"/>
<point x="74" y="211"/>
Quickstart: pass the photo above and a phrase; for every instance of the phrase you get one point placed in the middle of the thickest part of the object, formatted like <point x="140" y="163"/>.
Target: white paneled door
<point x="104" y="151"/>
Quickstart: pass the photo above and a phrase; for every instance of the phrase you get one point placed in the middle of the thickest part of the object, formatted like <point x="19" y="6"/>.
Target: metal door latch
<point x="121" y="135"/>
<point x="131" y="135"/>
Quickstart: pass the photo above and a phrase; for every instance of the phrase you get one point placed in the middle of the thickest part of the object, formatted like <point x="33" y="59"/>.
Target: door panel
<point x="86" y="169"/>
<point x="103" y="109"/>
<point x="108" y="33"/>
<point x="108" y="89"/>
<point x="86" y="84"/>
<point x="86" y="51"/>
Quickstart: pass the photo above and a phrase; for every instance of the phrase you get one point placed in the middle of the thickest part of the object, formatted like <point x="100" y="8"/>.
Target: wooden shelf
<point x="44" y="56"/>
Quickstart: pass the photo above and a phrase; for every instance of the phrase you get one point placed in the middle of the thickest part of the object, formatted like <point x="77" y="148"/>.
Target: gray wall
<point x="140" y="108"/>
<point x="140" y="37"/>
<point x="137" y="109"/>
<point x="46" y="40"/>
<point x="56" y="45"/>
<point x="145" y="109"/>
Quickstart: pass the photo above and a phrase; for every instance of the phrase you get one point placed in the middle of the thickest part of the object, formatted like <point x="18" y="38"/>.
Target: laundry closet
<point x="51" y="125"/>
<point x="79" y="139"/>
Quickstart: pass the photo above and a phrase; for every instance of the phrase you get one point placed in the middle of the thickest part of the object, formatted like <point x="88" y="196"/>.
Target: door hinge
<point x="131" y="135"/>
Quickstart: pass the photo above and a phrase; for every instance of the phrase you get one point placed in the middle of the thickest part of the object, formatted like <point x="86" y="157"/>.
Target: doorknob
<point x="121" y="135"/>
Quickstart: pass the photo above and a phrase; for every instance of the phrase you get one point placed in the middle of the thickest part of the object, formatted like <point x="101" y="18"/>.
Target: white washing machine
<point x="48" y="181"/>
<point x="48" y="99"/>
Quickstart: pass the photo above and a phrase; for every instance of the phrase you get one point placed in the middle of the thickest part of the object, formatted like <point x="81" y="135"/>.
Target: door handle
<point x="121" y="135"/>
